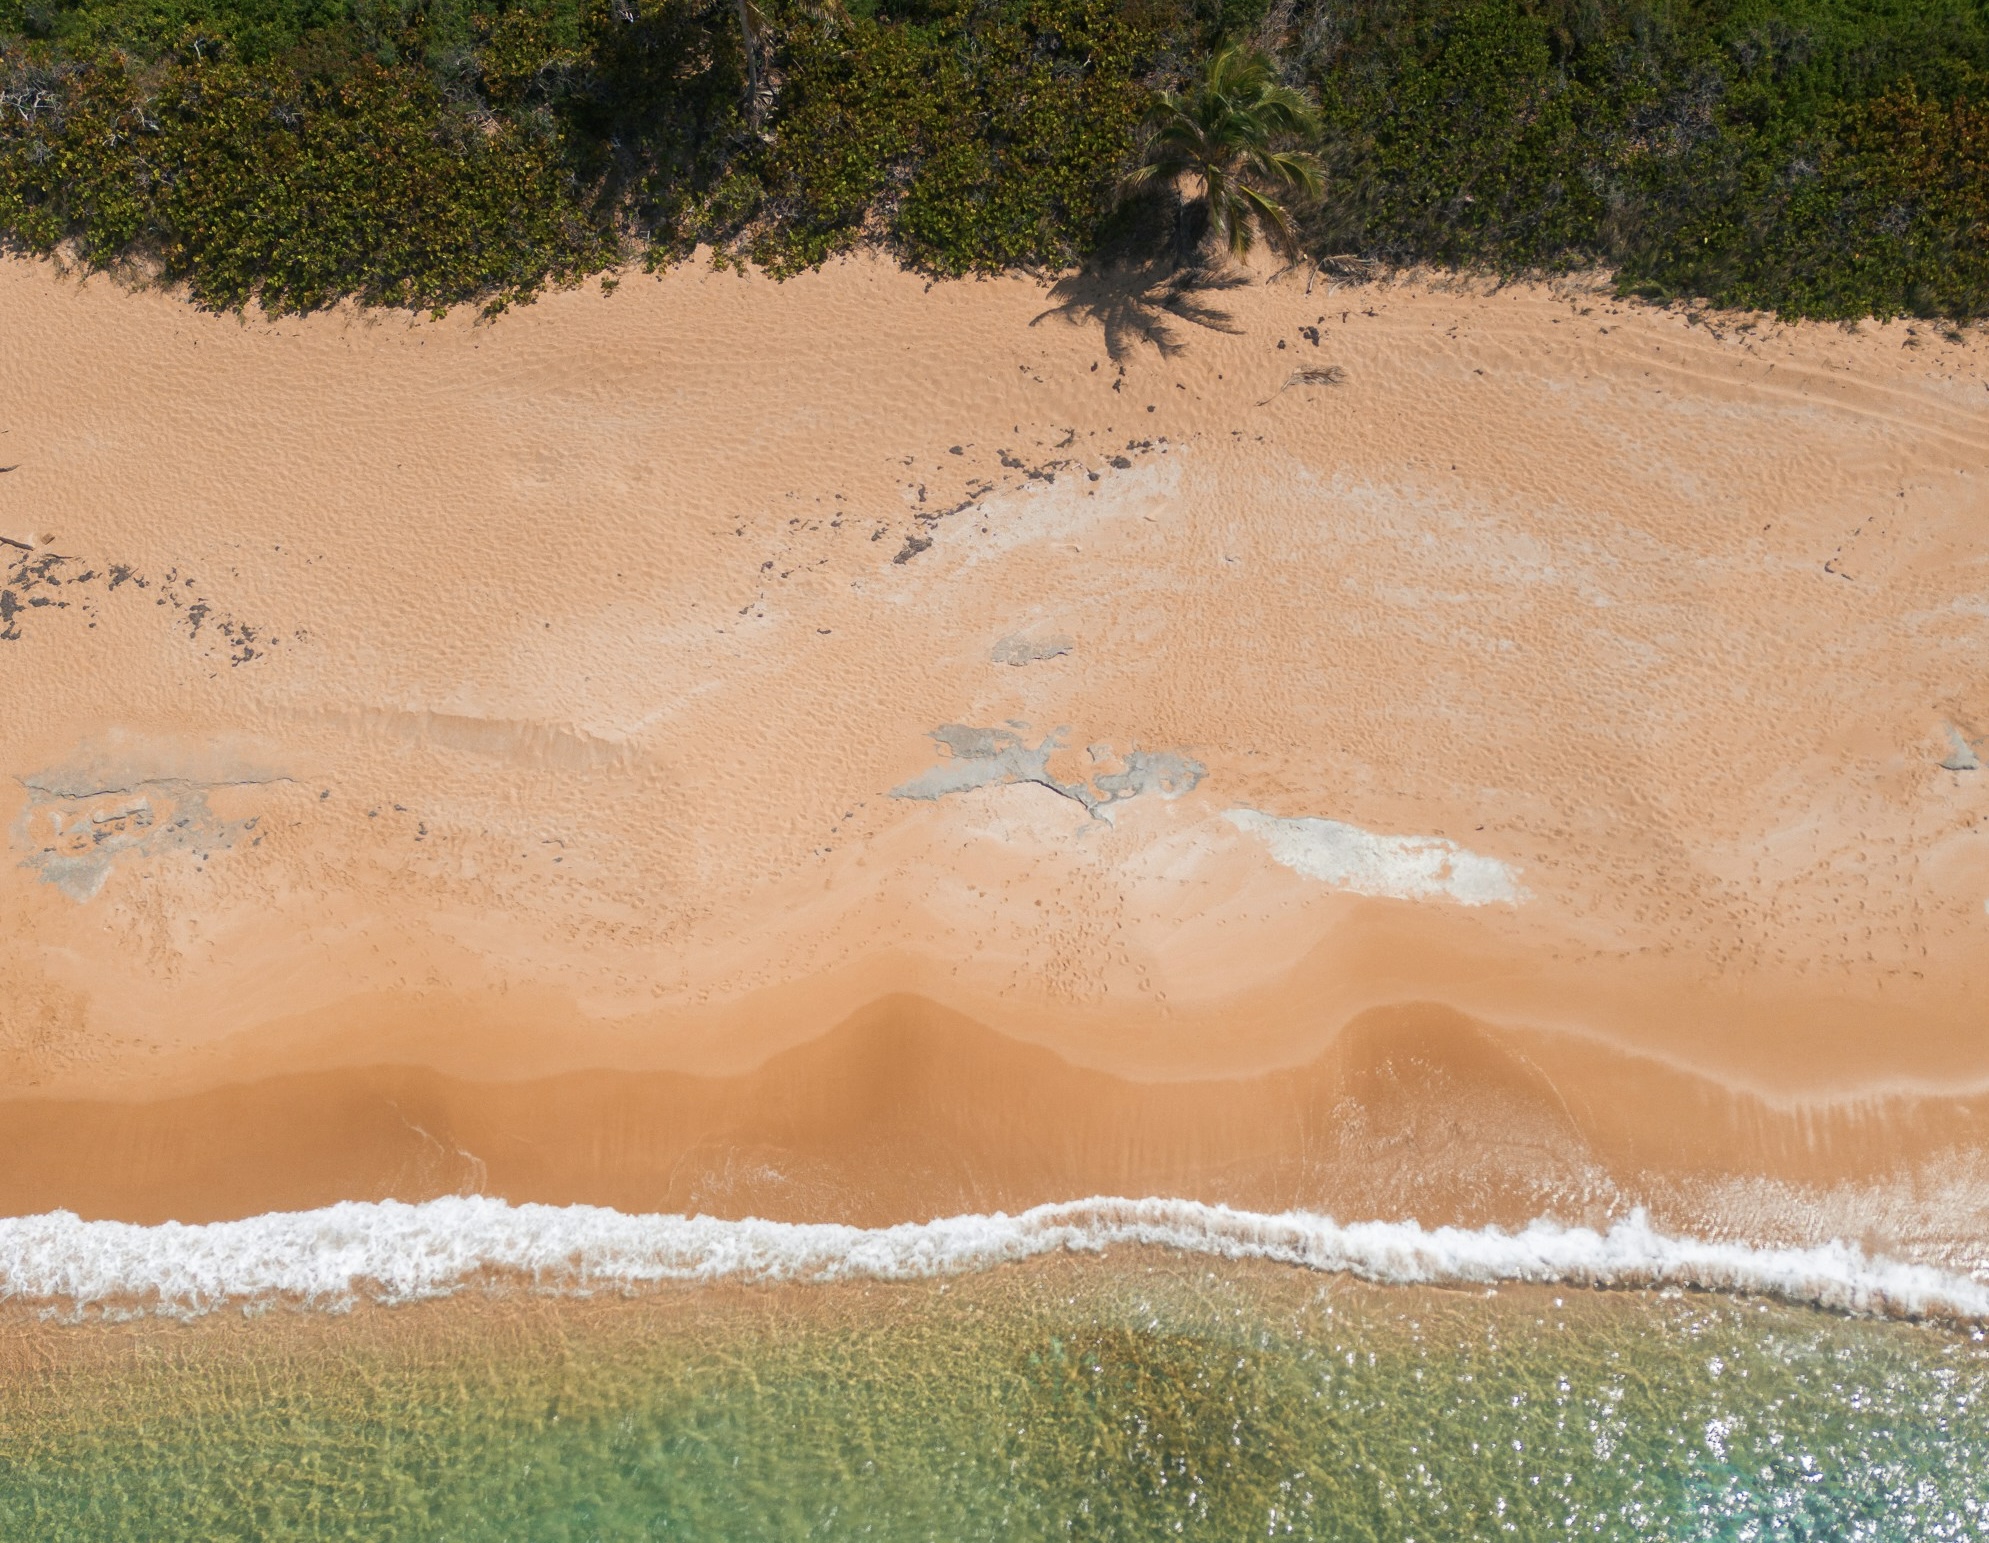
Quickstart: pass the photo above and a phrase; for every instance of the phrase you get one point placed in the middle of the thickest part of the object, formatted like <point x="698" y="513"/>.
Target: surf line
<point x="391" y="1251"/>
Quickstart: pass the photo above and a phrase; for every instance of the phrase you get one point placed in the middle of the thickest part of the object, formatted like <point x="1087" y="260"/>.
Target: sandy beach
<point x="862" y="749"/>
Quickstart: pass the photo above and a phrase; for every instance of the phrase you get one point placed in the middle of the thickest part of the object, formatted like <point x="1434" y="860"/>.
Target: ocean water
<point x="1108" y="1389"/>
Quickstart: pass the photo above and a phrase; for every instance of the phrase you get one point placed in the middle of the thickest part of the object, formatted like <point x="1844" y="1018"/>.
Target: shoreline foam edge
<point x="388" y="1252"/>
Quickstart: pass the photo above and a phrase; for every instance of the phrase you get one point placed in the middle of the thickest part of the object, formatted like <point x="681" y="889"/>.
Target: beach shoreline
<point x="864" y="750"/>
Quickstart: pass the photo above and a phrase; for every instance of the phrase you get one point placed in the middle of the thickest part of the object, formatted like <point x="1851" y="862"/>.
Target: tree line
<point x="1824" y="158"/>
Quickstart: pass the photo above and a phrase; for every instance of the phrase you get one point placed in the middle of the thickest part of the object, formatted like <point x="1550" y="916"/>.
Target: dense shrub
<point x="989" y="135"/>
<point x="1819" y="157"/>
<point x="299" y="188"/>
<point x="1883" y="208"/>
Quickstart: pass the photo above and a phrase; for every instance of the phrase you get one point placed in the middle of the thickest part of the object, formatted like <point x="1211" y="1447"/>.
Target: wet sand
<point x="448" y="755"/>
<point x="910" y="1113"/>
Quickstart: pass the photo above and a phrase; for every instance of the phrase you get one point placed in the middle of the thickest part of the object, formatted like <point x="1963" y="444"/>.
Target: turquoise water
<point x="1140" y="1395"/>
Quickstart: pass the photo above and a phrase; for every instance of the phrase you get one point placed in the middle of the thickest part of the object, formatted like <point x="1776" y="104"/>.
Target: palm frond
<point x="1272" y="215"/>
<point x="1298" y="170"/>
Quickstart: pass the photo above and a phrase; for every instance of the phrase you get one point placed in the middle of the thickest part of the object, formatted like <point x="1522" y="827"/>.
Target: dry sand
<point x="447" y="755"/>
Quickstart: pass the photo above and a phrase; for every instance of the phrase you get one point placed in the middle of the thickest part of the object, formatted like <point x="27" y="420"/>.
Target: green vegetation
<point x="1224" y="135"/>
<point x="1817" y="157"/>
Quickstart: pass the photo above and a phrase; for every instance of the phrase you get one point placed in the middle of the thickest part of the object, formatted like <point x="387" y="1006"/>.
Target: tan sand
<point x="456" y="754"/>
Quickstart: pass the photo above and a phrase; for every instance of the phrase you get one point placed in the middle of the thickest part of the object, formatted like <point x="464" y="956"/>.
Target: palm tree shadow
<point x="1140" y="303"/>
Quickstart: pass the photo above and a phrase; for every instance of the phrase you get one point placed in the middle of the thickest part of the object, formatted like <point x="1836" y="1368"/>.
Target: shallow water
<point x="1142" y="1393"/>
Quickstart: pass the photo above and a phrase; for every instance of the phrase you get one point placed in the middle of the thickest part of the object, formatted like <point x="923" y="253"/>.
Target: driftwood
<point x="1318" y="375"/>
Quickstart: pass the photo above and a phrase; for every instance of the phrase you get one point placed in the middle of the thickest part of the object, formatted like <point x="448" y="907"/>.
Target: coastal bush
<point x="295" y="188"/>
<point x="977" y="135"/>
<point x="1816" y="157"/>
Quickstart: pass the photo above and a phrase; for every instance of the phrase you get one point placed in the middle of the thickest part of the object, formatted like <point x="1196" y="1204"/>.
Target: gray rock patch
<point x="1018" y="650"/>
<point x="980" y="758"/>
<point x="1963" y="756"/>
<point x="1165" y="772"/>
<point x="72" y="833"/>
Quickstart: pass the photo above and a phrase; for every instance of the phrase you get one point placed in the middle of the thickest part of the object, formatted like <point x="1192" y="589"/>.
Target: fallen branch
<point x="1321" y="375"/>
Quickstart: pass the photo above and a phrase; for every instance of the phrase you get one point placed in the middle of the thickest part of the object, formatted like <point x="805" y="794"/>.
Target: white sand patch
<point x="1396" y="867"/>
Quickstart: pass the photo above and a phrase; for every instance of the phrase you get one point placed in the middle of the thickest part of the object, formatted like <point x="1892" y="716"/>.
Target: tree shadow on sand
<point x="1141" y="303"/>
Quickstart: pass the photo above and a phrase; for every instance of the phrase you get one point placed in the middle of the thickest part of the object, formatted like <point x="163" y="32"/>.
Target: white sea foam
<point x="389" y="1251"/>
<point x="1395" y="867"/>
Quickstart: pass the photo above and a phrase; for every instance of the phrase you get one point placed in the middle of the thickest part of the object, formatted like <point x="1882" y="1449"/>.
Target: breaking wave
<point x="391" y="1251"/>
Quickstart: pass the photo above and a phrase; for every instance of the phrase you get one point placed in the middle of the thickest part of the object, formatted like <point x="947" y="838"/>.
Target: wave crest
<point x="390" y="1251"/>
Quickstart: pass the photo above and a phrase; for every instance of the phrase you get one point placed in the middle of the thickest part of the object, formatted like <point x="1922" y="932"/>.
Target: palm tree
<point x="752" y="25"/>
<point x="1224" y="133"/>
